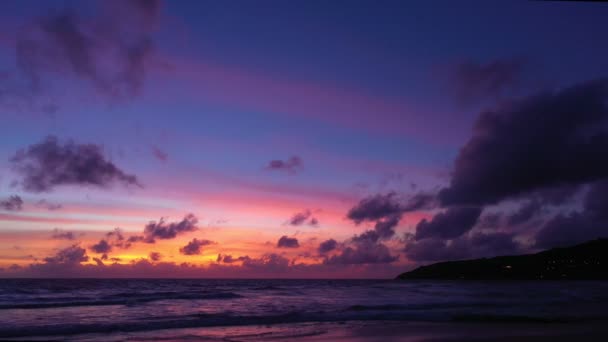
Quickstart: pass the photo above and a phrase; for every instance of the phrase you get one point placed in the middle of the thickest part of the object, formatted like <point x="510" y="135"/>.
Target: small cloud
<point x="160" y="154"/>
<point x="300" y="218"/>
<point x="155" y="256"/>
<point x="13" y="203"/>
<point x="229" y="259"/>
<point x="72" y="255"/>
<point x="102" y="247"/>
<point x="194" y="247"/>
<point x="47" y="205"/>
<point x="164" y="231"/>
<point x="474" y="82"/>
<point x="291" y="166"/>
<point x="59" y="234"/>
<point x="327" y="246"/>
<point x="287" y="242"/>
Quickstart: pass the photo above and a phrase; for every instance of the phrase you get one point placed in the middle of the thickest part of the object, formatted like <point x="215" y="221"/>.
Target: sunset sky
<point x="296" y="138"/>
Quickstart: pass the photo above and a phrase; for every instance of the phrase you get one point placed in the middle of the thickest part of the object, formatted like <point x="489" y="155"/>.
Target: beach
<point x="306" y="310"/>
<point x="361" y="331"/>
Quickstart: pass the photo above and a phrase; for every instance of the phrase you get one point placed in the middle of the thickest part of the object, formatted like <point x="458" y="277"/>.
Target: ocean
<point x="145" y="309"/>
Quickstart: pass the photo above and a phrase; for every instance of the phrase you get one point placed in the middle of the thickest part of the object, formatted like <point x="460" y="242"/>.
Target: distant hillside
<point x="585" y="261"/>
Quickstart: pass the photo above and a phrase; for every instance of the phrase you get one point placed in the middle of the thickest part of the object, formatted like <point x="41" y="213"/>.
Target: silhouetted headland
<point x="587" y="261"/>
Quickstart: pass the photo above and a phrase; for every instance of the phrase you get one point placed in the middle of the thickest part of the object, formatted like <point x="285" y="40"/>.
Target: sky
<point x="296" y="139"/>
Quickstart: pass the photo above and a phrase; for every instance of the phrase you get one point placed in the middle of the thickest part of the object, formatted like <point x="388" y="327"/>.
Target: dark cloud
<point x="472" y="81"/>
<point x="164" y="231"/>
<point x="363" y="252"/>
<point x="548" y="140"/>
<point x="300" y="218"/>
<point x="448" y="224"/>
<point x="287" y="242"/>
<point x="115" y="234"/>
<point x="569" y="229"/>
<point x="229" y="259"/>
<point x="291" y="166"/>
<point x="490" y="220"/>
<point x="59" y="234"/>
<point x="375" y="207"/>
<point x="102" y="247"/>
<point x="576" y="227"/>
<point x="528" y="210"/>
<point x="48" y="164"/>
<point x="109" y="51"/>
<point x="71" y="255"/>
<point x="155" y="256"/>
<point x="48" y="205"/>
<point x="386" y="210"/>
<point x="117" y="239"/>
<point x="13" y="203"/>
<point x="464" y="247"/>
<point x="98" y="261"/>
<point x="327" y="246"/>
<point x="367" y="236"/>
<point x="596" y="201"/>
<point x="539" y="151"/>
<point x="386" y="226"/>
<point x="420" y="201"/>
<point x="194" y="247"/>
<point x="159" y="154"/>
<point x="133" y="239"/>
<point x="268" y="262"/>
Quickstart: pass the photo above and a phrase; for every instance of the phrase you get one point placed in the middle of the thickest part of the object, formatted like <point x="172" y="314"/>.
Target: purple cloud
<point x="375" y="207"/>
<point x="386" y="210"/>
<point x="475" y="245"/>
<point x="561" y="140"/>
<point x="102" y="247"/>
<point x="291" y="166"/>
<point x="13" y="203"/>
<point x="159" y="154"/>
<point x="527" y="210"/>
<point x="47" y="205"/>
<point x="363" y="252"/>
<point x="155" y="256"/>
<point x="472" y="81"/>
<point x="327" y="246"/>
<point x="194" y="247"/>
<point x="59" y="234"/>
<point x="287" y="242"/>
<point x="164" y="231"/>
<point x="300" y="218"/>
<point x="109" y="51"/>
<point x="268" y="262"/>
<point x="72" y="255"/>
<point x="449" y="224"/>
<point x="229" y="259"/>
<point x="580" y="226"/>
<point x="48" y="164"/>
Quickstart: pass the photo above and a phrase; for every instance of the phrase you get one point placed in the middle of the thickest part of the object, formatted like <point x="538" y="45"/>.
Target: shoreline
<point x="362" y="331"/>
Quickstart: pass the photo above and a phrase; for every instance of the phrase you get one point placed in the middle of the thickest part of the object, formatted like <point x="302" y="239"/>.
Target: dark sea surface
<point x="80" y="308"/>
